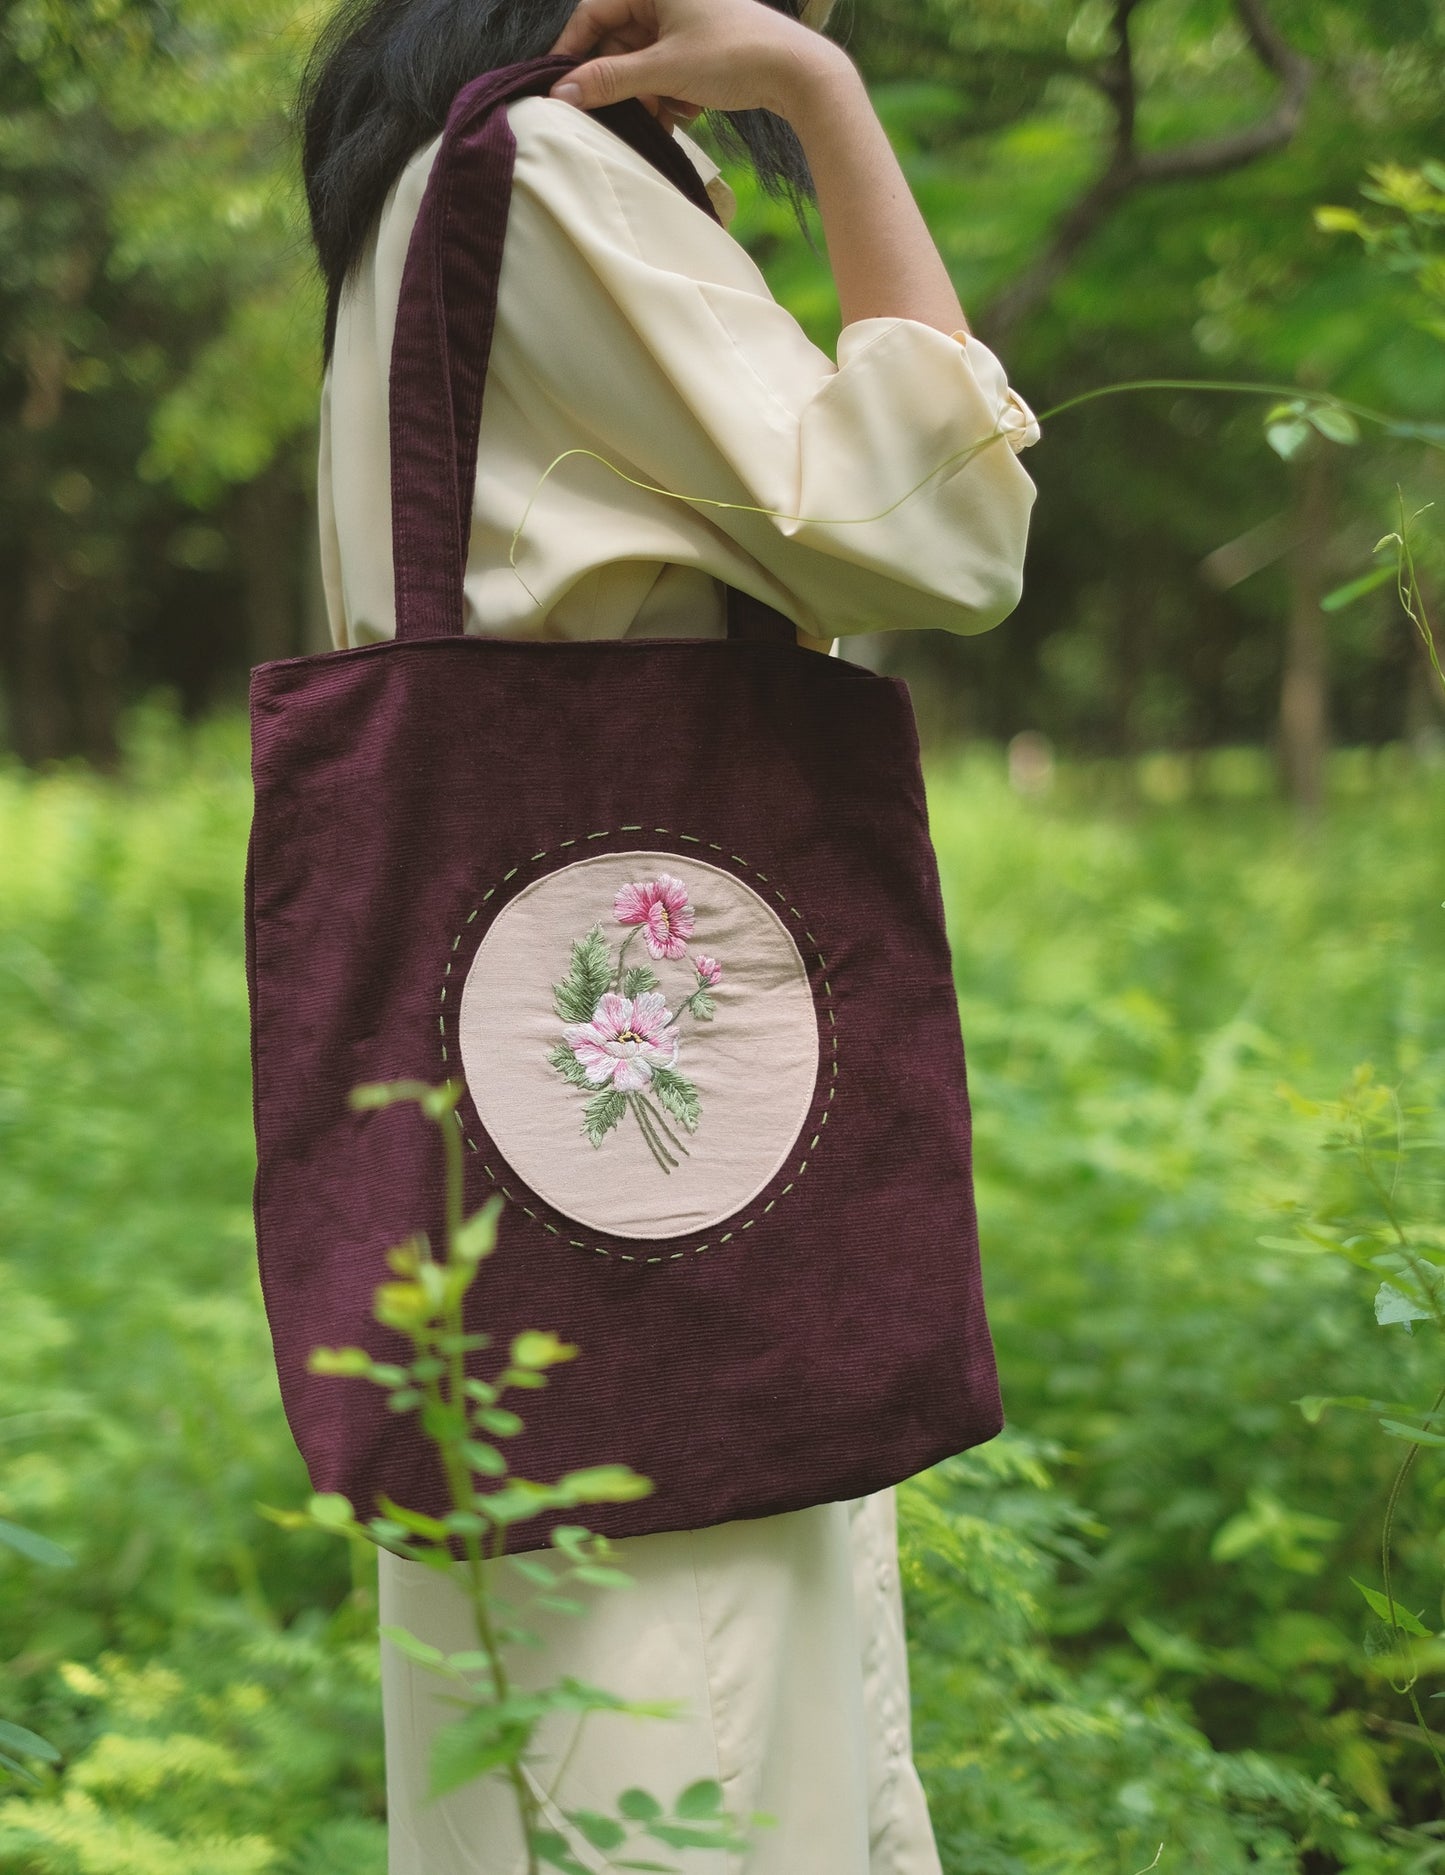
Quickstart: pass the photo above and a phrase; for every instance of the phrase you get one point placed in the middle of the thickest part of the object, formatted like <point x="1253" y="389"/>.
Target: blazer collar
<point x="723" y="199"/>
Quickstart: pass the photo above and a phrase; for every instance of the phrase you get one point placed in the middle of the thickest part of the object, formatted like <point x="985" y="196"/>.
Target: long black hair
<point x="382" y="77"/>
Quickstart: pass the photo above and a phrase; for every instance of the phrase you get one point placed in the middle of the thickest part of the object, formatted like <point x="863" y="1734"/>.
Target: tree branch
<point x="1128" y="169"/>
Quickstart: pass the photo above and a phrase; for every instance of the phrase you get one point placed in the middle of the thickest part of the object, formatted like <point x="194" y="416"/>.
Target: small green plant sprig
<point x="465" y="1417"/>
<point x="17" y="1742"/>
<point x="1404" y="1258"/>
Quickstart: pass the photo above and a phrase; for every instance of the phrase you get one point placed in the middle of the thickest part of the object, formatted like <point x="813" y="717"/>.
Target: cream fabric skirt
<point x="781" y="1640"/>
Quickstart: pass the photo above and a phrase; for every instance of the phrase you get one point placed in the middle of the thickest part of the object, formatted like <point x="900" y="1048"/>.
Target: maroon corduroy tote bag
<point x="671" y="910"/>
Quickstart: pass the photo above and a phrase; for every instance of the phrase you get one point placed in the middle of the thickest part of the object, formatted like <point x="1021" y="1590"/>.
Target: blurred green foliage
<point x="159" y="348"/>
<point x="1133" y="1620"/>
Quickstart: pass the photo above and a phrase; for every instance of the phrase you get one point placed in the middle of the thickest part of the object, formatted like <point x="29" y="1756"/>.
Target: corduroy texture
<point x="829" y="1340"/>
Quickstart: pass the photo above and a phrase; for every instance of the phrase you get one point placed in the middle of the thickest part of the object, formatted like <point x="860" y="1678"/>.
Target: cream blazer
<point x="635" y="328"/>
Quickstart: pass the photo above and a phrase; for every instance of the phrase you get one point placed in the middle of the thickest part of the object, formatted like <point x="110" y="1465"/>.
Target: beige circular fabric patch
<point x="639" y="1038"/>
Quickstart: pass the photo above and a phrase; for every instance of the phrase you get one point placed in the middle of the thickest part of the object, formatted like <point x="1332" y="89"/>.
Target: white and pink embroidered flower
<point x="709" y="971"/>
<point x="625" y="1040"/>
<point x="661" y="908"/>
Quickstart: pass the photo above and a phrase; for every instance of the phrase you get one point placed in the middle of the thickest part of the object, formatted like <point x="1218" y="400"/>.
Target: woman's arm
<point x="682" y="56"/>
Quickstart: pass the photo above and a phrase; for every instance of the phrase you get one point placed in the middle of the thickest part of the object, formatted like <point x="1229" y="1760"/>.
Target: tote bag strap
<point x="446" y="317"/>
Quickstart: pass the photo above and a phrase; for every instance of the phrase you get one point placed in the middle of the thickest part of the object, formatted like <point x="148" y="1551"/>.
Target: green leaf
<point x="1332" y="220"/>
<point x="638" y="1806"/>
<point x="1337" y="425"/>
<point x="539" y="1350"/>
<point x="497" y="1420"/>
<point x="1288" y="439"/>
<point x="572" y="1540"/>
<point x="568" y="1066"/>
<point x="1403" y="1619"/>
<point x="1314" y="1405"/>
<point x="588" y="980"/>
<point x="477" y="1238"/>
<point x="552" y="1849"/>
<point x="1392" y="1306"/>
<point x="1414" y="1435"/>
<point x="484" y="1458"/>
<point x="470" y="1660"/>
<point x="348" y="1362"/>
<point x="36" y="1549"/>
<point x="703" y="1799"/>
<point x="28" y="1744"/>
<point x="692" y="1836"/>
<point x="520" y="1499"/>
<point x="334" y="1512"/>
<point x="422" y="1652"/>
<point x="678" y="1095"/>
<point x="603" y="1484"/>
<point x="562" y="1604"/>
<point x="602" y="1113"/>
<point x="416" y="1521"/>
<point x="603" y="1832"/>
<point x="1342" y="596"/>
<point x="595" y="1576"/>
<point x="639" y="980"/>
<point x="703" y="1005"/>
<point x="484" y="1739"/>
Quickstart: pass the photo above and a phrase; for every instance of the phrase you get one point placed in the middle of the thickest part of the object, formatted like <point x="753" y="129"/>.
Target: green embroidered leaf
<point x="602" y="1113"/>
<point x="568" y="1066"/>
<point x="703" y="1005"/>
<point x="639" y="980"/>
<point x="678" y="1095"/>
<point x="589" y="979"/>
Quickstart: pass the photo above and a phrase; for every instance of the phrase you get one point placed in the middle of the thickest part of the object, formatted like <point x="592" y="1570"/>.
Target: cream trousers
<point x="782" y="1641"/>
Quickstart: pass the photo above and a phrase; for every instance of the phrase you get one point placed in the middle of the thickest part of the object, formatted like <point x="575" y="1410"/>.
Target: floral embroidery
<point x="621" y="1040"/>
<point x="625" y="1040"/>
<point x="661" y="908"/>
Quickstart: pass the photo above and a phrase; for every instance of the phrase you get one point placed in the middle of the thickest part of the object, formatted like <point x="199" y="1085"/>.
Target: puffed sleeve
<point x="889" y="479"/>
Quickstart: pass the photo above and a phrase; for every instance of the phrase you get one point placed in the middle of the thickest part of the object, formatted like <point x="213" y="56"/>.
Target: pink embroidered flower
<point x="661" y="908"/>
<point x="709" y="971"/>
<point x="625" y="1040"/>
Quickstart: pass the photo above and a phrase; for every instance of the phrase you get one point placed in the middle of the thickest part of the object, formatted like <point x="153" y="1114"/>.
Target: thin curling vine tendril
<point x="1307" y="399"/>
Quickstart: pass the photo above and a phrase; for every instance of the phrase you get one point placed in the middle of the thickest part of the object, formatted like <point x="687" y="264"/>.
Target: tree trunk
<point x="1304" y="726"/>
<point x="266" y="537"/>
<point x="41" y="717"/>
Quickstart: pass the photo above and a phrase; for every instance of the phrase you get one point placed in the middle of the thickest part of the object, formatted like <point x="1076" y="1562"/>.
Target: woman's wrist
<point x="815" y="84"/>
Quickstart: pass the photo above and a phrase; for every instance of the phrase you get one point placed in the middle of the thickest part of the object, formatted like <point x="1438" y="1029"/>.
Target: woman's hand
<point x="684" y="56"/>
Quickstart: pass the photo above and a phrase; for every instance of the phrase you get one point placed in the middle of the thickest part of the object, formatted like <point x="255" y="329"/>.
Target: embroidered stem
<point x="622" y="956"/>
<point x="660" y="1118"/>
<point x="659" y="1152"/>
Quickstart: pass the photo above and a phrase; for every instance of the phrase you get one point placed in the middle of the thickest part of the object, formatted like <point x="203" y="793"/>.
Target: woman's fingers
<point x="728" y="55"/>
<point x="610" y="80"/>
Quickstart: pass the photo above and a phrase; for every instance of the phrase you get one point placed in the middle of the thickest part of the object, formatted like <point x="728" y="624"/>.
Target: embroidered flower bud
<point x="709" y="971"/>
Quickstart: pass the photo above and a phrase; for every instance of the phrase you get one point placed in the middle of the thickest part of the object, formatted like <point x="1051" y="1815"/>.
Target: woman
<point x="632" y="327"/>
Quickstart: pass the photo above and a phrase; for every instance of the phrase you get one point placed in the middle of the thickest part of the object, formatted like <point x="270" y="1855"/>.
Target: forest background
<point x="1195" y="915"/>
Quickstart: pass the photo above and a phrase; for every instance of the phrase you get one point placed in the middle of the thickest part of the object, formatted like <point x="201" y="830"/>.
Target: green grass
<point x="1145" y="958"/>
